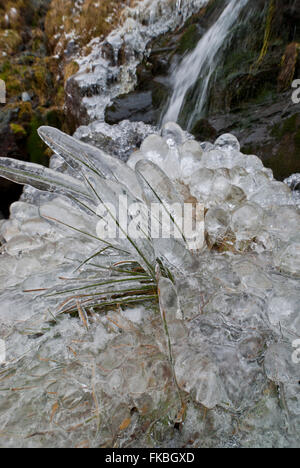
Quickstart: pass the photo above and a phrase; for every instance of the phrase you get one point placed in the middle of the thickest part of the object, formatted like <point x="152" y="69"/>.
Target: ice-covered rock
<point x="84" y="329"/>
<point x="228" y="142"/>
<point x="101" y="78"/>
<point x="247" y="220"/>
<point x="288" y="258"/>
<point x="279" y="365"/>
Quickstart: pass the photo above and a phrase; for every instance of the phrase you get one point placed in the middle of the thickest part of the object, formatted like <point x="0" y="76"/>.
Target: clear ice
<point x="216" y="355"/>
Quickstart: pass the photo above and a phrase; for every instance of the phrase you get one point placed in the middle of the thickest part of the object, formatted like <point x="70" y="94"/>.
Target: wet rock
<point x="135" y="106"/>
<point x="120" y="140"/>
<point x="294" y="182"/>
<point x="144" y="105"/>
<point x="277" y="143"/>
<point x="244" y="98"/>
<point x="203" y="130"/>
<point x="11" y="145"/>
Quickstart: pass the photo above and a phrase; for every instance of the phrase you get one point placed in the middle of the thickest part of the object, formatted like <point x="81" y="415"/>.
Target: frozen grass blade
<point x="105" y="179"/>
<point x="41" y="178"/>
<point x="109" y="193"/>
<point x="158" y="188"/>
<point x="90" y="158"/>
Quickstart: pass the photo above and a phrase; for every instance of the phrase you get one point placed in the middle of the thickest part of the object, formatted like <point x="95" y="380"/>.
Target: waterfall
<point x="201" y="63"/>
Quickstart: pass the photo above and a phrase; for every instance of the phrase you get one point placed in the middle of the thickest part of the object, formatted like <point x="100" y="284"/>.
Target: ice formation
<point x="210" y="363"/>
<point x="105" y="79"/>
<point x="294" y="183"/>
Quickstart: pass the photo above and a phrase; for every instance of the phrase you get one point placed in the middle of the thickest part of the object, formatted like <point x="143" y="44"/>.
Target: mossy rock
<point x="204" y="131"/>
<point x="287" y="138"/>
<point x="10" y="41"/>
<point x="281" y="149"/>
<point x="160" y="94"/>
<point x="55" y="118"/>
<point x="189" y="39"/>
<point x="288" y="126"/>
<point x="25" y="112"/>
<point x="18" y="130"/>
<point x="35" y="146"/>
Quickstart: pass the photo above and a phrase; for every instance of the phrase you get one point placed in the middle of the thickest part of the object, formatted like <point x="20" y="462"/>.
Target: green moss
<point x="13" y="86"/>
<point x="25" y="112"/>
<point x="54" y="118"/>
<point x="268" y="31"/>
<point x="17" y="129"/>
<point x="159" y="95"/>
<point x="5" y="67"/>
<point x="286" y="147"/>
<point x="248" y="149"/>
<point x="70" y="69"/>
<point x="288" y="126"/>
<point x="188" y="40"/>
<point x="265" y="93"/>
<point x="236" y="60"/>
<point x="10" y="41"/>
<point x="35" y="147"/>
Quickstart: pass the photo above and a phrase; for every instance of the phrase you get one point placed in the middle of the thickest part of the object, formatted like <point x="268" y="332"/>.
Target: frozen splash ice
<point x="106" y="79"/>
<point x="294" y="183"/>
<point x="231" y="310"/>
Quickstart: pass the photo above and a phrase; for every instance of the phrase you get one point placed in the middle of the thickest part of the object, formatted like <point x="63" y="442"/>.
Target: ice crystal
<point x="121" y="342"/>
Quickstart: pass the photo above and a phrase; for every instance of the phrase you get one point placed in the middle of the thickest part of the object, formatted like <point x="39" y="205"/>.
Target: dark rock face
<point x="134" y="106"/>
<point x="144" y="105"/>
<point x="10" y="146"/>
<point x="76" y="115"/>
<point x="250" y="95"/>
<point x="270" y="130"/>
<point x="204" y="131"/>
<point x="148" y="101"/>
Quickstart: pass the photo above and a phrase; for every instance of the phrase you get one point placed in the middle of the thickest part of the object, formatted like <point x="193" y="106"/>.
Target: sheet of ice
<point x="232" y="313"/>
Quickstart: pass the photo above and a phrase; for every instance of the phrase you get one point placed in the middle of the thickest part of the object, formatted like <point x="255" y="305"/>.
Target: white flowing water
<point x="201" y="63"/>
<point x="99" y="80"/>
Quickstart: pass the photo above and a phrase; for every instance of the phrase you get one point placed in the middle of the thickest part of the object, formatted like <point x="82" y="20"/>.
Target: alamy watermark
<point x="2" y="352"/>
<point x="158" y="221"/>
<point x="2" y="92"/>
<point x="296" y="93"/>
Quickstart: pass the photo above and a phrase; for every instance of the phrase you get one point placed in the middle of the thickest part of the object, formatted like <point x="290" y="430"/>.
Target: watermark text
<point x="158" y="221"/>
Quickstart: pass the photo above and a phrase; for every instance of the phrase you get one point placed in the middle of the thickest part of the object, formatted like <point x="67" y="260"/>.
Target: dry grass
<point x="288" y="66"/>
<point x="91" y="20"/>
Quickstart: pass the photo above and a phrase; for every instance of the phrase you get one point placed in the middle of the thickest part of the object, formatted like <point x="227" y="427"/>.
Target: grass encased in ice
<point x="120" y="271"/>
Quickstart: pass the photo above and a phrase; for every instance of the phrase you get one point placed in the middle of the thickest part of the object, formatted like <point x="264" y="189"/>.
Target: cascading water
<point x="201" y="62"/>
